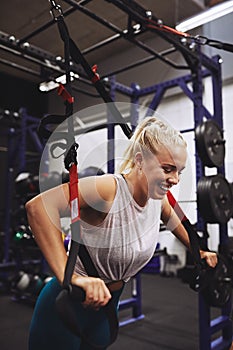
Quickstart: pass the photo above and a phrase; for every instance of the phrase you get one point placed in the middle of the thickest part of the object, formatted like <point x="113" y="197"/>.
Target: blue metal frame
<point x="16" y="161"/>
<point x="135" y="302"/>
<point x="212" y="68"/>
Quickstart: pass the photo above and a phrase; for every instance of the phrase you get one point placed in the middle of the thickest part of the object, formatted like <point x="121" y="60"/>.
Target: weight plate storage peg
<point x="210" y="143"/>
<point x="215" y="199"/>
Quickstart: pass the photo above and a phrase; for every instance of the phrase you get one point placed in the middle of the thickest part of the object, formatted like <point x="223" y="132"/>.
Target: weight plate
<point x="210" y="143"/>
<point x="215" y="199"/>
<point x="218" y="291"/>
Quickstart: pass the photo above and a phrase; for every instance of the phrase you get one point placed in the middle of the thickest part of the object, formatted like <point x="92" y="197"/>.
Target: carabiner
<point x="55" y="8"/>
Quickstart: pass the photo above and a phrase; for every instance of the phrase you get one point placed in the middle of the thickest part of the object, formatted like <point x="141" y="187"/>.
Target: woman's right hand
<point x="97" y="293"/>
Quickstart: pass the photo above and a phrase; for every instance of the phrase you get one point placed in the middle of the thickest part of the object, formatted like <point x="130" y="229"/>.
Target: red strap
<point x="64" y="94"/>
<point x="179" y="212"/>
<point x="74" y="199"/>
<point x="96" y="76"/>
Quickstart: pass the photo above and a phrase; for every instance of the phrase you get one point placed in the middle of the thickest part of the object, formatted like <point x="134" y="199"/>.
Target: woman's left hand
<point x="211" y="258"/>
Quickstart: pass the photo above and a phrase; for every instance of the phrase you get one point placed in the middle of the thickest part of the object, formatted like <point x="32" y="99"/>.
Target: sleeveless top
<point x="126" y="239"/>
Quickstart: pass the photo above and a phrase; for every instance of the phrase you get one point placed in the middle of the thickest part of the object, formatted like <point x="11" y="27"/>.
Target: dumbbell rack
<point x="17" y="161"/>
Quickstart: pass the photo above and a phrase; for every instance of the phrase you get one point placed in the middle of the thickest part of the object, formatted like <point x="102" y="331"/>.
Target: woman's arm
<point x="173" y="223"/>
<point x="44" y="213"/>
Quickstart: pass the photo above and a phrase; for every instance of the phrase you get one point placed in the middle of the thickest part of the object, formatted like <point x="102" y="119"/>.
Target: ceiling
<point x="20" y="18"/>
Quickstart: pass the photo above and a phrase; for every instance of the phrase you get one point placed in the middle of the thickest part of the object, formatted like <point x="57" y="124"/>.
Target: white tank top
<point x="126" y="240"/>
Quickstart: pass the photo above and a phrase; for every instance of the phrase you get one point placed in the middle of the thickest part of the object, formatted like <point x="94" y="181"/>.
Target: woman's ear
<point x="138" y="160"/>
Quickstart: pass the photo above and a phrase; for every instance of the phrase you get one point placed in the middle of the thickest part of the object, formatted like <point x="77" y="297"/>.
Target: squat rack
<point x="195" y="62"/>
<point x="52" y="65"/>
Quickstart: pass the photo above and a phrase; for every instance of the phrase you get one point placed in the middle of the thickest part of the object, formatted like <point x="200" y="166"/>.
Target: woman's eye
<point x="167" y="170"/>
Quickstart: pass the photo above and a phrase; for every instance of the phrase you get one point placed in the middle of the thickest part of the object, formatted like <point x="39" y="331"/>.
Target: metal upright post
<point x="111" y="130"/>
<point x="208" y="326"/>
<point x="134" y="111"/>
<point x="8" y="195"/>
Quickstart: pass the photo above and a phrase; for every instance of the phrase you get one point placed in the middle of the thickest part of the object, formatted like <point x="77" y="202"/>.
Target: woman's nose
<point x="174" y="178"/>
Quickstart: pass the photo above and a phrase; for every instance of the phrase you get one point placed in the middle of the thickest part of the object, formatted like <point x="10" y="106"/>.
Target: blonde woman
<point x="120" y="218"/>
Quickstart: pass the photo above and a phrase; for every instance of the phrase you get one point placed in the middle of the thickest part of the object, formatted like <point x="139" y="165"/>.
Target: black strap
<point x="109" y="308"/>
<point x="87" y="261"/>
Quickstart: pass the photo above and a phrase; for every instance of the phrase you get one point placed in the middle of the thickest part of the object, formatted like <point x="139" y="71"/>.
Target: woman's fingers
<point x="97" y="293"/>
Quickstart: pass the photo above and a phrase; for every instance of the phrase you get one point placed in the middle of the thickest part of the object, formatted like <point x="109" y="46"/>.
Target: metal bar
<point x="8" y="194"/>
<point x="136" y="292"/>
<point x="49" y="24"/>
<point x="138" y="63"/>
<point x="19" y="67"/>
<point x="156" y="100"/>
<point x="123" y="34"/>
<point x="104" y="42"/>
<point x="219" y="323"/>
<point x="39" y="57"/>
<point x="204" y="322"/>
<point x="187" y="130"/>
<point x="127" y="303"/>
<point x="101" y="44"/>
<point x="134" y="106"/>
<point x="139" y="14"/>
<point x="111" y="131"/>
<point x="6" y="265"/>
<point x="43" y="27"/>
<point x="35" y="73"/>
<point x="123" y="89"/>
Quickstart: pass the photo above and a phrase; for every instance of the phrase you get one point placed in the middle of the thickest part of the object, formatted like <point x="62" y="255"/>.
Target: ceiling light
<point x="206" y="16"/>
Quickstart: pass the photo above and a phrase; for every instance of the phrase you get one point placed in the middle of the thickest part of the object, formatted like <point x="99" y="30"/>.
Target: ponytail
<point x="149" y="135"/>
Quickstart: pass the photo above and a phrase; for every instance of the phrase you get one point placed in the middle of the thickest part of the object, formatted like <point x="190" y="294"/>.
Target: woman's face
<point x="162" y="171"/>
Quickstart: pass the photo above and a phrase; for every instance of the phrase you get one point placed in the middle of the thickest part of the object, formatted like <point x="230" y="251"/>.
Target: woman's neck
<point x="137" y="185"/>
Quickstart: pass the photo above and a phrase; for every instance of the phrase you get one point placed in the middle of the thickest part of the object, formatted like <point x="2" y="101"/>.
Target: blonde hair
<point x="149" y="135"/>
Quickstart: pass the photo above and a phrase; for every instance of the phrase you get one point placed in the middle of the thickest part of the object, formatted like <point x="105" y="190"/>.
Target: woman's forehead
<point x="175" y="155"/>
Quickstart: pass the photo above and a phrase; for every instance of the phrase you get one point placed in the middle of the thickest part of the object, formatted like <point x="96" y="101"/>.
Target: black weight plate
<point x="210" y="143"/>
<point x="215" y="199"/>
<point x="218" y="292"/>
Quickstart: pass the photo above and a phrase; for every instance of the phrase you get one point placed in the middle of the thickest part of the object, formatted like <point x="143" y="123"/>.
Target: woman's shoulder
<point x="102" y="187"/>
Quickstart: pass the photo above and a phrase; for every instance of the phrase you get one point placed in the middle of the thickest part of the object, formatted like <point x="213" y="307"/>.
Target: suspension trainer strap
<point x="194" y="243"/>
<point x="95" y="79"/>
<point x="77" y="248"/>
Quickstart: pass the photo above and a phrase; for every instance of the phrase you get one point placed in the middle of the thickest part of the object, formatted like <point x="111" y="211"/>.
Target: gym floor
<point x="170" y="308"/>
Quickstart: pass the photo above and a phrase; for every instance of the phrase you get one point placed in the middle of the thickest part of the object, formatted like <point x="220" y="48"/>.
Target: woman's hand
<point x="210" y="258"/>
<point x="97" y="293"/>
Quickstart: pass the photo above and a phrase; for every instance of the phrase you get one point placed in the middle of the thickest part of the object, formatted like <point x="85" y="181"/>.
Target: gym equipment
<point x="215" y="199"/>
<point x="210" y="143"/>
<point x="26" y="286"/>
<point x="215" y="284"/>
<point x="26" y="185"/>
<point x="219" y="289"/>
<point x="193" y="61"/>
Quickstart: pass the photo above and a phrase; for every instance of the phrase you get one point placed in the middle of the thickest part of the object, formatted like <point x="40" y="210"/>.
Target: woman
<point x="120" y="225"/>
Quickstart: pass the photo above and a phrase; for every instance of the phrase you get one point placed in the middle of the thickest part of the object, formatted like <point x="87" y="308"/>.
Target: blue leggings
<point x="47" y="331"/>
